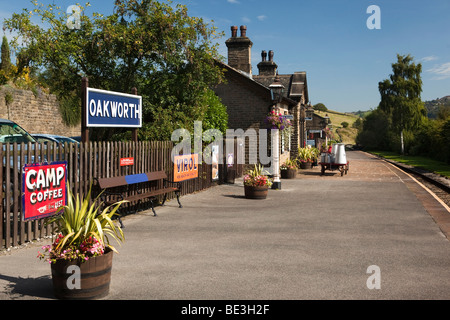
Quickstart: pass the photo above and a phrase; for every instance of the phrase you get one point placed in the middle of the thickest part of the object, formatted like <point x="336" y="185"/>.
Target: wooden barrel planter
<point x="95" y="277"/>
<point x="305" y="165"/>
<point x="289" y="174"/>
<point x="258" y="193"/>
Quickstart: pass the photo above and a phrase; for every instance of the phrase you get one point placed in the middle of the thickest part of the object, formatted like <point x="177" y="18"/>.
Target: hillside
<point x="347" y="135"/>
<point x="434" y="105"/>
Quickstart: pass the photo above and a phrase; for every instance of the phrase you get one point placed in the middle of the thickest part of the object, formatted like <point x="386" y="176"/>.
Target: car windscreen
<point x="11" y="132"/>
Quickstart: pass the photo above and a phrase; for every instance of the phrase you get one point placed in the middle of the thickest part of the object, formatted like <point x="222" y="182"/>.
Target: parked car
<point x="41" y="137"/>
<point x="11" y="132"/>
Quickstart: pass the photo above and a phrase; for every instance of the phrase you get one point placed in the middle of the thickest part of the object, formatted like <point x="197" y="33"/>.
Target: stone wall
<point x="36" y="114"/>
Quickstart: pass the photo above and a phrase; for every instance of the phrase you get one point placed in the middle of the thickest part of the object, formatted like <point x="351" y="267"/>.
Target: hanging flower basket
<point x="276" y="120"/>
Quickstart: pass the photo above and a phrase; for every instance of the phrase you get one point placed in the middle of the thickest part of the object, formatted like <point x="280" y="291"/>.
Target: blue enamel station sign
<point x="113" y="109"/>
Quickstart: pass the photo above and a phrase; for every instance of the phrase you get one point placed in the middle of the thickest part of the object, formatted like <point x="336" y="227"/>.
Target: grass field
<point x="428" y="164"/>
<point x="348" y="135"/>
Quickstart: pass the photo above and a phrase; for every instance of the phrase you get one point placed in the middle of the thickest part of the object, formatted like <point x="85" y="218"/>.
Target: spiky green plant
<point x="79" y="221"/>
<point x="305" y="155"/>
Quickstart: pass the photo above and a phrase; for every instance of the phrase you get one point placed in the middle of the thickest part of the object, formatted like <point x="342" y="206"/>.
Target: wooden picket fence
<point x="84" y="163"/>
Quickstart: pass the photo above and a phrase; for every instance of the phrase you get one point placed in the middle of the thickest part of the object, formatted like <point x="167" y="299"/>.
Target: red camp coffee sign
<point x="43" y="189"/>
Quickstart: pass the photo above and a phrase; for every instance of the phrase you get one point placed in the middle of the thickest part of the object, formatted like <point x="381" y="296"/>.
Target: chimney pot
<point x="234" y="30"/>
<point x="243" y="31"/>
<point x="264" y="55"/>
<point x="271" y="55"/>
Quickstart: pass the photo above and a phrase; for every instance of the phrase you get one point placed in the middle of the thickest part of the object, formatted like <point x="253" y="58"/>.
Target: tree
<point x="358" y="124"/>
<point x="401" y="96"/>
<point x="320" y="107"/>
<point x="153" y="46"/>
<point x="375" y="131"/>
<point x="5" y="64"/>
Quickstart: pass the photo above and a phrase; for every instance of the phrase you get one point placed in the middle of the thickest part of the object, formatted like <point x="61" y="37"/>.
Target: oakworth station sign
<point x="113" y="109"/>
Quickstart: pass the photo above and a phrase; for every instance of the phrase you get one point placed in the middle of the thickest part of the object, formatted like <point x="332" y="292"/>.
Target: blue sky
<point x="330" y="40"/>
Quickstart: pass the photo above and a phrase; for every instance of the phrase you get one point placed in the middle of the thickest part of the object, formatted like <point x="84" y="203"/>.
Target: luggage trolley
<point x="336" y="160"/>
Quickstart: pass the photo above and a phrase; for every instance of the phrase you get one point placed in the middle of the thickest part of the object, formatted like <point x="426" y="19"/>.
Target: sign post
<point x="109" y="109"/>
<point x="84" y="129"/>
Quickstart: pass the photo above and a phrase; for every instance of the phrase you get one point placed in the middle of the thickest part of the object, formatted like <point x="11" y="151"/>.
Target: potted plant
<point x="257" y="183"/>
<point x="289" y="169"/>
<point x="81" y="255"/>
<point x="305" y="158"/>
<point x="315" y="156"/>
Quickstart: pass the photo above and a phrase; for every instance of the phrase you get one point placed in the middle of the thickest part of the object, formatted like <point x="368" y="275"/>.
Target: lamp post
<point x="276" y="92"/>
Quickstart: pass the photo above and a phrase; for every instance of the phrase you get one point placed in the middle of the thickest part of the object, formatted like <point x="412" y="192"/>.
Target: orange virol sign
<point x="185" y="167"/>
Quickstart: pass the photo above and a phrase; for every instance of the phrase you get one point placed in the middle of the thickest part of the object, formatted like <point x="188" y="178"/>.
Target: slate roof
<point x="262" y="83"/>
<point x="295" y="84"/>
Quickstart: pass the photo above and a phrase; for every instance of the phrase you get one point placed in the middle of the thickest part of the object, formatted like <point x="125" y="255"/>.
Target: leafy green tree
<point x="320" y="107"/>
<point x="358" y="124"/>
<point x="401" y="96"/>
<point x="5" y="64"/>
<point x="375" y="133"/>
<point x="153" y="46"/>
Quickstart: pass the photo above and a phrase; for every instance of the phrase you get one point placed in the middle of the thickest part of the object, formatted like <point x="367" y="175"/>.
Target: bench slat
<point x="150" y="194"/>
<point x="139" y="196"/>
<point x="105" y="183"/>
<point x="131" y="179"/>
<point x="123" y="181"/>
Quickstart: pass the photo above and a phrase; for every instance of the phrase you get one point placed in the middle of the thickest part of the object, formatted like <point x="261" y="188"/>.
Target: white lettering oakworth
<point x="114" y="109"/>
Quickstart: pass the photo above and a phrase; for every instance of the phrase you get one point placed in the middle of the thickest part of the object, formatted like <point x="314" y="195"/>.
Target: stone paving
<point x="314" y="239"/>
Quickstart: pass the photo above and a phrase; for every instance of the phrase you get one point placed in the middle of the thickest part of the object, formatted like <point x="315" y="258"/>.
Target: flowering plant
<point x="305" y="155"/>
<point x="82" y="230"/>
<point x="89" y="248"/>
<point x="289" y="164"/>
<point x="276" y="121"/>
<point x="257" y="178"/>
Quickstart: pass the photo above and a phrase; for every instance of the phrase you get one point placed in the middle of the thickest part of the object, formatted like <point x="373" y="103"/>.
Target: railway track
<point x="439" y="191"/>
<point x="434" y="183"/>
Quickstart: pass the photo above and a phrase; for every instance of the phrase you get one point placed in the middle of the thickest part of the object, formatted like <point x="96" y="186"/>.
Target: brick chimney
<point x="267" y="68"/>
<point x="240" y="50"/>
